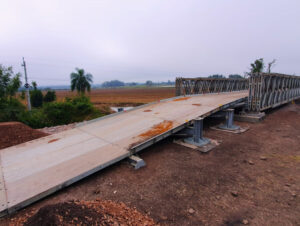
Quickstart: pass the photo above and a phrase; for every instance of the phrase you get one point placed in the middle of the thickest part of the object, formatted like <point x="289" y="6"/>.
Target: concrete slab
<point x="238" y="130"/>
<point x="204" y="149"/>
<point x="136" y="161"/>
<point x="35" y="169"/>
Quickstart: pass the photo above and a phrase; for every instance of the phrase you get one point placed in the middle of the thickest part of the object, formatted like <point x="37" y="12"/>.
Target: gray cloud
<point x="137" y="40"/>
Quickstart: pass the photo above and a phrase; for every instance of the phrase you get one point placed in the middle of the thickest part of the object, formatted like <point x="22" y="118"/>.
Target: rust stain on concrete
<point x="158" y="129"/>
<point x="51" y="141"/>
<point x="182" y="98"/>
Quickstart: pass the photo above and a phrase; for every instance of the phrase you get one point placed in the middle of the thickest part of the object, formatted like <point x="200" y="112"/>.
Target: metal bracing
<point x="271" y="90"/>
<point x="189" y="86"/>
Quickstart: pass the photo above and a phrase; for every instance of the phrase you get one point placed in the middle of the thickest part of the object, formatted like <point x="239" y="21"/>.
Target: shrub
<point x="34" y="118"/>
<point x="50" y="96"/>
<point x="36" y="98"/>
<point x="72" y="110"/>
<point x="59" y="113"/>
<point x="10" y="109"/>
<point x="82" y="106"/>
<point x="50" y="114"/>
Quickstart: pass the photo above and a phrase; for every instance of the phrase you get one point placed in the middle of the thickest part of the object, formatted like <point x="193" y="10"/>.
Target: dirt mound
<point x="84" y="213"/>
<point x="67" y="213"/>
<point x="13" y="133"/>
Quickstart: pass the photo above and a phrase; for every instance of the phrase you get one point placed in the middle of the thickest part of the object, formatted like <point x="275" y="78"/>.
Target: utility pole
<point x="26" y="86"/>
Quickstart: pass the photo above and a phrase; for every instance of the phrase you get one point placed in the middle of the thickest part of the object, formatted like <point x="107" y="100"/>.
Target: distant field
<point x="123" y="96"/>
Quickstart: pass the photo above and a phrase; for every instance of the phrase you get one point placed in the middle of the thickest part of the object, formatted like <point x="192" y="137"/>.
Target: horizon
<point x="136" y="41"/>
<point x="99" y="85"/>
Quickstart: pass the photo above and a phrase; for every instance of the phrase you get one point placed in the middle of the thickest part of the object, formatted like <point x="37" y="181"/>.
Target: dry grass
<point x="103" y="99"/>
<point x="123" y="96"/>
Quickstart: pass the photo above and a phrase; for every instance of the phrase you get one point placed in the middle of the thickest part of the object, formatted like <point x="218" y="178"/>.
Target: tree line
<point x="47" y="112"/>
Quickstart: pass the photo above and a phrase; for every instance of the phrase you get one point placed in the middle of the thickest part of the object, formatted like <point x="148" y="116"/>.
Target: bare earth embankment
<point x="13" y="133"/>
<point x="250" y="178"/>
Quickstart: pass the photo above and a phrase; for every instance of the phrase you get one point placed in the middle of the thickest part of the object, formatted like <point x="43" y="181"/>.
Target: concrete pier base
<point x="136" y="161"/>
<point x="253" y="117"/>
<point x="229" y="126"/>
<point x="197" y="139"/>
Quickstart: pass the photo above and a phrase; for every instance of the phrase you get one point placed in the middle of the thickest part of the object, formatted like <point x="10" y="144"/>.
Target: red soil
<point x="13" y="133"/>
<point x="250" y="178"/>
<point x="96" y="212"/>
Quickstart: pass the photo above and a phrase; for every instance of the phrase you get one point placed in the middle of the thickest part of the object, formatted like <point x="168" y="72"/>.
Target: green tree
<point x="81" y="81"/>
<point x="258" y="66"/>
<point x="9" y="82"/>
<point x="36" y="96"/>
<point x="50" y="96"/>
<point x="235" y="76"/>
<point x="216" y="76"/>
<point x="34" y="85"/>
<point x="149" y="83"/>
<point x="113" y="83"/>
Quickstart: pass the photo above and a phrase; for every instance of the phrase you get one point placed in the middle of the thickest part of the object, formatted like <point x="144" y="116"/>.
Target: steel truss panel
<point x="271" y="90"/>
<point x="190" y="86"/>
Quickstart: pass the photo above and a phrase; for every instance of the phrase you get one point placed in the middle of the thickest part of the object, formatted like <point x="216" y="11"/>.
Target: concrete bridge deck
<point x="35" y="169"/>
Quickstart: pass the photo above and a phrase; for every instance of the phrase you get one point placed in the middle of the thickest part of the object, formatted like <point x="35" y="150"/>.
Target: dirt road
<point x="251" y="178"/>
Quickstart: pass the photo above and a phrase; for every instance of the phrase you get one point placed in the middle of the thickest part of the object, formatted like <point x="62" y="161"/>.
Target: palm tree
<point x="34" y="85"/>
<point x="258" y="66"/>
<point x="81" y="81"/>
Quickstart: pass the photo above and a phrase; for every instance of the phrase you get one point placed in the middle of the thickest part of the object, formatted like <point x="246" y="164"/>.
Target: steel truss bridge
<point x="265" y="90"/>
<point x="35" y="169"/>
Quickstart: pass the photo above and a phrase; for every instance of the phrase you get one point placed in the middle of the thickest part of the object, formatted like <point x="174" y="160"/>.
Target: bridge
<point x="35" y="169"/>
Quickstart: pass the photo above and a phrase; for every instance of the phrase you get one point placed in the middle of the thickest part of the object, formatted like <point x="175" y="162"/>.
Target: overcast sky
<point x="137" y="40"/>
